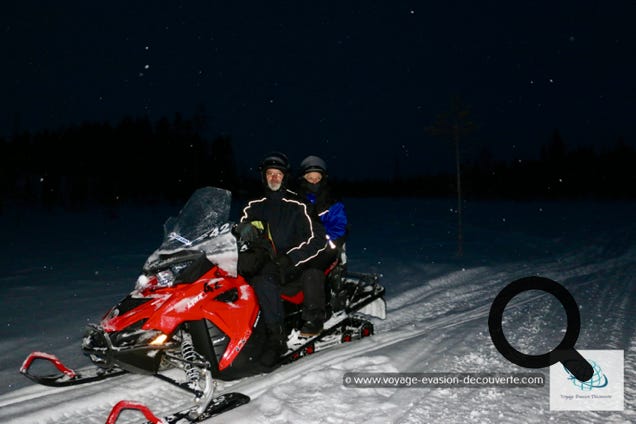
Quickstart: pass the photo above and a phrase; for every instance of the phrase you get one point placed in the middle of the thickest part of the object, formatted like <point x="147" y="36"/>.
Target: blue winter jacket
<point x="333" y="217"/>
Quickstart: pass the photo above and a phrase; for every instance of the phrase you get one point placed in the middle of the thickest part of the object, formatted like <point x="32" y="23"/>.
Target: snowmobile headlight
<point x="165" y="278"/>
<point x="159" y="340"/>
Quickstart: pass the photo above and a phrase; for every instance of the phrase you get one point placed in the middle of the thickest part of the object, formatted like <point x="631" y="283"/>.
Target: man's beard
<point x="274" y="186"/>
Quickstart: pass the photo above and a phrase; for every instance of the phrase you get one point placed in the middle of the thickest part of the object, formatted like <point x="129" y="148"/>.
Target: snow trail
<point x="437" y="309"/>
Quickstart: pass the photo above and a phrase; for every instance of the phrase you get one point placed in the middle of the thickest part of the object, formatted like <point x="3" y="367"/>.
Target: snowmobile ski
<point x="66" y="375"/>
<point x="216" y="406"/>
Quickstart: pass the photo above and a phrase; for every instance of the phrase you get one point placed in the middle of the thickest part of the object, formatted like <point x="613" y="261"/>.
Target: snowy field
<point x="61" y="271"/>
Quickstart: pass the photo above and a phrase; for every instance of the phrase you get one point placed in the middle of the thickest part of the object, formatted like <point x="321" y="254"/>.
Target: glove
<point x="251" y="261"/>
<point x="246" y="232"/>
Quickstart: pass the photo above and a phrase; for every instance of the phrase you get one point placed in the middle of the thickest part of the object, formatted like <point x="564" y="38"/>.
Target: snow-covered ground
<point x="61" y="271"/>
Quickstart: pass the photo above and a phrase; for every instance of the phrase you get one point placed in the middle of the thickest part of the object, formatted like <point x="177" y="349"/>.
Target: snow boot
<point x="275" y="345"/>
<point x="313" y="318"/>
<point x="311" y="328"/>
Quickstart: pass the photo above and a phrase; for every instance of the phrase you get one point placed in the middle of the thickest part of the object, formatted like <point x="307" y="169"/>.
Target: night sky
<point x="356" y="82"/>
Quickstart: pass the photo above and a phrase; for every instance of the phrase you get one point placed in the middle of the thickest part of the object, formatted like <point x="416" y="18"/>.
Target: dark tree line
<point x="559" y="173"/>
<point x="141" y="161"/>
<point x="135" y="160"/>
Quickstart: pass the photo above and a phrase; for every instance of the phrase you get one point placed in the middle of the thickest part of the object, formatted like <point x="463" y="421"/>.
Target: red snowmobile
<point x="190" y="310"/>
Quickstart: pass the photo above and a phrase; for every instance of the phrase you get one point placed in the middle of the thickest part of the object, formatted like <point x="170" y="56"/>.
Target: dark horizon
<point x="143" y="161"/>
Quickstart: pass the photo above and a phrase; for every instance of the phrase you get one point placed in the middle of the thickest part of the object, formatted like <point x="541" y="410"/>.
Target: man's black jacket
<point x="290" y="226"/>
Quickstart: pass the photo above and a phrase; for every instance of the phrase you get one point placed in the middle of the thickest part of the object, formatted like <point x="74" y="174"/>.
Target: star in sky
<point x="353" y="82"/>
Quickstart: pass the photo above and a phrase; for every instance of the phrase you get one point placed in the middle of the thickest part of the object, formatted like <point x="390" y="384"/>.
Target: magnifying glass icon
<point x="564" y="352"/>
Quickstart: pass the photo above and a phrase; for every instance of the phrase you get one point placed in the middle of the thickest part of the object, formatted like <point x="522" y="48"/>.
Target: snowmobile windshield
<point x="202" y="226"/>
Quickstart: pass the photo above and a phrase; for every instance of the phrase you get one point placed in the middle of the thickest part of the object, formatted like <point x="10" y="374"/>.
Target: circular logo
<point x="564" y="352"/>
<point x="598" y="380"/>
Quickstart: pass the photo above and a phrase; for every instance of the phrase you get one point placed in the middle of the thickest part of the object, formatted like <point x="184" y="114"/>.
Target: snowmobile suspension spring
<point x="190" y="355"/>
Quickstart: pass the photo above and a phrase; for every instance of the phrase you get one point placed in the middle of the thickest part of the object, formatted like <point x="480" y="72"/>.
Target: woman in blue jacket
<point x="315" y="190"/>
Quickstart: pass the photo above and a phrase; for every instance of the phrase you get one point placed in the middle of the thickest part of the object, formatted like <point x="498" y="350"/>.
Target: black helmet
<point x="276" y="160"/>
<point x="313" y="163"/>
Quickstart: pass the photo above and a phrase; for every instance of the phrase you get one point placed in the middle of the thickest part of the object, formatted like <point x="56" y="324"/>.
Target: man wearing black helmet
<point x="295" y="240"/>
